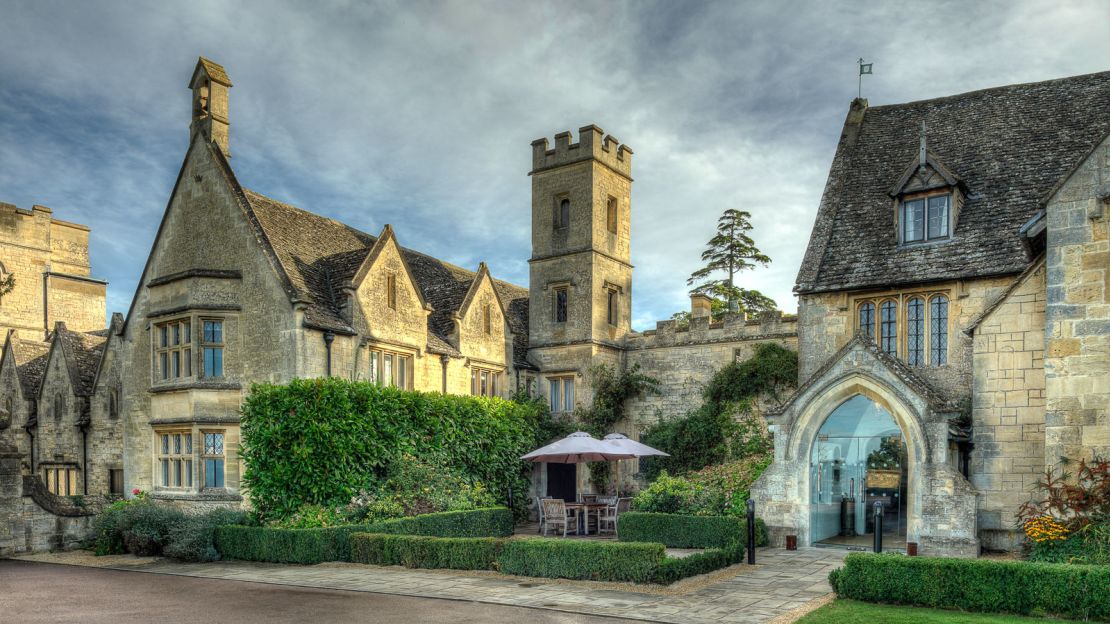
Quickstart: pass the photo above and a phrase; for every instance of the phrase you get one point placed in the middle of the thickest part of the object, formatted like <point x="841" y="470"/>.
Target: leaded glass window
<point x="867" y="320"/>
<point x="913" y="221"/>
<point x="938" y="330"/>
<point x="888" y="327"/>
<point x="926" y="218"/>
<point x="213" y="459"/>
<point x="938" y="217"/>
<point x="561" y="305"/>
<point x="915" y="332"/>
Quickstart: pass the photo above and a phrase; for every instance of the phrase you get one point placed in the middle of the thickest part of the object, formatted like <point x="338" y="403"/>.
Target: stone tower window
<point x="938" y="330"/>
<point x="612" y="312"/>
<point x="867" y="320"/>
<point x="562" y="215"/>
<point x="915" y="331"/>
<point x="59" y="407"/>
<point x="487" y="324"/>
<point x="611" y="215"/>
<point x="561" y="304"/>
<point x="391" y="291"/>
<point x="888" y="327"/>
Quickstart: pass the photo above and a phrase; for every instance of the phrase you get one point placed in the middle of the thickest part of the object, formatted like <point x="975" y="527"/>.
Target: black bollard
<point x="510" y="497"/>
<point x="751" y="532"/>
<point x="878" y="526"/>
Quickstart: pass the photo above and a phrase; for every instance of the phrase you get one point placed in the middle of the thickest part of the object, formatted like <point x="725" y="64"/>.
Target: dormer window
<point x="925" y="218"/>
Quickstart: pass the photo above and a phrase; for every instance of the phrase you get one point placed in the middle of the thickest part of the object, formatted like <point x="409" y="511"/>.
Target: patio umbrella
<point x="622" y="443"/>
<point x="576" y="448"/>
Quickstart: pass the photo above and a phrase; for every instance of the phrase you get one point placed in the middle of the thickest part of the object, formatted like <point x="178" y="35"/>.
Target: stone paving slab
<point x="781" y="582"/>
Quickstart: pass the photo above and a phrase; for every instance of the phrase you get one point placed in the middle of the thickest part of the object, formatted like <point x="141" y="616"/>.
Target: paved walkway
<point x="781" y="582"/>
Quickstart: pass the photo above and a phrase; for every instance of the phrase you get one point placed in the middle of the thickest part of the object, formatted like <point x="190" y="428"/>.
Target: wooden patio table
<point x="584" y="513"/>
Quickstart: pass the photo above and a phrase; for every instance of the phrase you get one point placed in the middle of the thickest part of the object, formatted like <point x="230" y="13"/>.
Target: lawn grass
<point x="854" y="612"/>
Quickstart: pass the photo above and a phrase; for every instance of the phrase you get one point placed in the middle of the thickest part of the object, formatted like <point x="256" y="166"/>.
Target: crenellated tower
<point x="580" y="270"/>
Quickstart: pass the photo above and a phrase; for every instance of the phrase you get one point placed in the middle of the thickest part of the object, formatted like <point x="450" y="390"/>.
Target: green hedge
<point x="322" y="441"/>
<point x="308" y="546"/>
<point x="1021" y="587"/>
<point x="418" y="551"/>
<point x="682" y="531"/>
<point x="585" y="560"/>
<point x="672" y="569"/>
<point x="311" y="546"/>
<point x="488" y="522"/>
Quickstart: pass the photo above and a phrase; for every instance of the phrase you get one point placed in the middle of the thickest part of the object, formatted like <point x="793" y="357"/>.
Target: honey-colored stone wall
<point x="1008" y="408"/>
<point x="50" y="261"/>
<point x="1077" y="359"/>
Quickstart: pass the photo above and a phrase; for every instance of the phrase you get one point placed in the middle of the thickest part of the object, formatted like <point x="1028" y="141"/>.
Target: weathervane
<point x="864" y="68"/>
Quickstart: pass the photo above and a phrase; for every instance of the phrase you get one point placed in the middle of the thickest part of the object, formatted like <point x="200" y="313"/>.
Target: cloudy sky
<point x="420" y="114"/>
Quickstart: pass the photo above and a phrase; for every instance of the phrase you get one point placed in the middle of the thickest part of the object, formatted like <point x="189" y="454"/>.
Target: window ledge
<point x="208" y="494"/>
<point x="196" y="385"/>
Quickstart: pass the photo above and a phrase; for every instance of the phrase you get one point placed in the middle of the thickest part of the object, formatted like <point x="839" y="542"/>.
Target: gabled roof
<point x="1010" y="145"/>
<point x="1003" y="296"/>
<point x="931" y="161"/>
<point x="82" y="352"/>
<point x="318" y="255"/>
<point x="30" y="357"/>
<point x="214" y="70"/>
<point x="935" y="398"/>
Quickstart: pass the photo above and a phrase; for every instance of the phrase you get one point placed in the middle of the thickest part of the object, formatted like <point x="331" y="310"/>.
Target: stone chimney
<point x="210" y="86"/>
<point x="700" y="306"/>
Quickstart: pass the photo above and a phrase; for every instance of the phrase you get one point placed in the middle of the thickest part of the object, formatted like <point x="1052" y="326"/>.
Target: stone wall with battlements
<point x="50" y="261"/>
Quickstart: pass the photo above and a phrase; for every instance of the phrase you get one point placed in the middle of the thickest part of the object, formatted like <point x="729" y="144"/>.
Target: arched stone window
<point x="563" y="218"/>
<point x="938" y="330"/>
<point x="888" y="327"/>
<point x="867" y="320"/>
<point x="113" y="404"/>
<point x="611" y="215"/>
<point x="915" y="331"/>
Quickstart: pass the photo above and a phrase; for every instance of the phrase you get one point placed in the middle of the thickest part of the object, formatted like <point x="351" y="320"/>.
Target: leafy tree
<point x="731" y="250"/>
<point x="7" y="284"/>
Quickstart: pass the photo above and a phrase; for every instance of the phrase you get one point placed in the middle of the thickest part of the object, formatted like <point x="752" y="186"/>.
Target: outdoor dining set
<point x="574" y="517"/>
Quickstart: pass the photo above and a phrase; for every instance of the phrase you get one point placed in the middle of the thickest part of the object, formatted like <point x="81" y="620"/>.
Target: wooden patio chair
<point x="555" y="513"/>
<point x="608" y="521"/>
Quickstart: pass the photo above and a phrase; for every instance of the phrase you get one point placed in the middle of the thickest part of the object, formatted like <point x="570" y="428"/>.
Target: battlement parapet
<point x="731" y="328"/>
<point x="593" y="144"/>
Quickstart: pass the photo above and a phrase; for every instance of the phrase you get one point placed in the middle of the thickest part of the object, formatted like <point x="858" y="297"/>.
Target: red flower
<point x="136" y="491"/>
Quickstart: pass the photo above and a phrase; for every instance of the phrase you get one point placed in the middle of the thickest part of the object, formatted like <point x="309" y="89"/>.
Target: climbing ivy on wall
<point x="725" y="426"/>
<point x="611" y="390"/>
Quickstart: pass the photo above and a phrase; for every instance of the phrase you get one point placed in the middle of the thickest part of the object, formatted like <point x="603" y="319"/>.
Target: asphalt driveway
<point x="38" y="592"/>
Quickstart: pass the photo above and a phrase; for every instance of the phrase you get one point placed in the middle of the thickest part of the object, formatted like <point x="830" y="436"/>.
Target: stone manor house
<point x="952" y="327"/>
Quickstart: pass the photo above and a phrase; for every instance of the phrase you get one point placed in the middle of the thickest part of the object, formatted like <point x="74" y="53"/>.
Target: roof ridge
<point x="374" y="238"/>
<point x="990" y="89"/>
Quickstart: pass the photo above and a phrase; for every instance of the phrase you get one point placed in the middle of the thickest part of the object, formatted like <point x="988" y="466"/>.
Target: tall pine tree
<point x="729" y="252"/>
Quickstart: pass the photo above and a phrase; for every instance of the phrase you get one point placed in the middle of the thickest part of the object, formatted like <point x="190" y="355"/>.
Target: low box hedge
<point x="418" y="551"/>
<point x="311" y="546"/>
<point x="584" y="560"/>
<point x="486" y="522"/>
<point x="672" y="569"/>
<point x="1020" y="587"/>
<point x="682" y="531"/>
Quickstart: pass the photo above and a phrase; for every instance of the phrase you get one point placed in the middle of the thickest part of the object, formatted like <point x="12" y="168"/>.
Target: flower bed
<point x="682" y="531"/>
<point x="976" y="585"/>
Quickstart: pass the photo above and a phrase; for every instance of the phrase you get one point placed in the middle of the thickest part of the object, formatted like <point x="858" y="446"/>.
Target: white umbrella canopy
<point x="576" y="448"/>
<point x="627" y="445"/>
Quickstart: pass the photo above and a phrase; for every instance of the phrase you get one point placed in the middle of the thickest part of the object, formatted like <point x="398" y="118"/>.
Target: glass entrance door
<point x="859" y="459"/>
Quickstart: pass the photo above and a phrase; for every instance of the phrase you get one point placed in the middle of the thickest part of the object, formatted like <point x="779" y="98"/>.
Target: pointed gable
<point x="29" y="358"/>
<point x="81" y="353"/>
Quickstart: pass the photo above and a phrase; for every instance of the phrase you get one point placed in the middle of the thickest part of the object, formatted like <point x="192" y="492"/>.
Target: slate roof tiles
<point x="1010" y="145"/>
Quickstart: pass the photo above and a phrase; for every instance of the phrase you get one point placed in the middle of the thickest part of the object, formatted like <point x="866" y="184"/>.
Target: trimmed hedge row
<point x="682" y="531"/>
<point x="547" y="558"/>
<point x="585" y="560"/>
<point x="672" y="569"/>
<point x="311" y="546"/>
<point x="1021" y="587"/>
<point x="487" y="522"/>
<point x="418" y="551"/>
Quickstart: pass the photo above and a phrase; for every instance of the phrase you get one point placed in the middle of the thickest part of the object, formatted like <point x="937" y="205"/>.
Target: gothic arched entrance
<point x="858" y="458"/>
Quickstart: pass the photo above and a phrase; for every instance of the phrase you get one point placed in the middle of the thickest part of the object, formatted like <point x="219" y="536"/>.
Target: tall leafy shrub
<point x="322" y="441"/>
